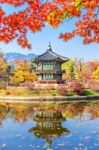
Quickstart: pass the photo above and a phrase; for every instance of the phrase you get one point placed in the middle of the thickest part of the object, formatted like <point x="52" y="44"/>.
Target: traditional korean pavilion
<point x="48" y="66"/>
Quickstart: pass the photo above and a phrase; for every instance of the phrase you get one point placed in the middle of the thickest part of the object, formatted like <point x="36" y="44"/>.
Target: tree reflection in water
<point x="48" y="118"/>
<point x="21" y="112"/>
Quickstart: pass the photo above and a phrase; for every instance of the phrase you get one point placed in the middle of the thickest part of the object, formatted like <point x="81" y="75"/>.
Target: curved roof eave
<point x="50" y="55"/>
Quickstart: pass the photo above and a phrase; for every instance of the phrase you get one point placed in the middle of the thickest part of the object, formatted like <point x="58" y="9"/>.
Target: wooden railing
<point x="51" y="81"/>
<point x="50" y="71"/>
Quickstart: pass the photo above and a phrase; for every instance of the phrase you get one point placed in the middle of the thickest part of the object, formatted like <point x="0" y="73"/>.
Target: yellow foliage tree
<point x="22" y="72"/>
<point x="76" y="69"/>
<point x="3" y="65"/>
<point x="95" y="74"/>
<point x="69" y="67"/>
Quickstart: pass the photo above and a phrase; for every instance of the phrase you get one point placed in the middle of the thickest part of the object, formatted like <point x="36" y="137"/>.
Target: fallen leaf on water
<point x="3" y="145"/>
<point x="61" y="144"/>
<point x="87" y="137"/>
<point x="18" y="135"/>
<point x="20" y="146"/>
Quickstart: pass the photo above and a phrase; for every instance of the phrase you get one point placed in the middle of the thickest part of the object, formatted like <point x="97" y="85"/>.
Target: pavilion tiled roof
<point x="51" y="56"/>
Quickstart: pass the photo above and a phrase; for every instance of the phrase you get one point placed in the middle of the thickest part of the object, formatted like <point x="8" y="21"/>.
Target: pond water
<point x="72" y="126"/>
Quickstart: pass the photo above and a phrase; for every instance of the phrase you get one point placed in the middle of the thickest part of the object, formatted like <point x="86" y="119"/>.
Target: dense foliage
<point x="77" y="87"/>
<point x="38" y="13"/>
<point x="80" y="77"/>
<point x="22" y="73"/>
<point x="4" y="71"/>
<point x="3" y="65"/>
<point x="85" y="72"/>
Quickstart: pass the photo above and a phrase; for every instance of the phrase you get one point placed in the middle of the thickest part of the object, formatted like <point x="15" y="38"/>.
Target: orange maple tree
<point x="52" y="12"/>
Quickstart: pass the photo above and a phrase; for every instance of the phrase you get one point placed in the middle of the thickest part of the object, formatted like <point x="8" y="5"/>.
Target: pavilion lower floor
<point x="50" y="79"/>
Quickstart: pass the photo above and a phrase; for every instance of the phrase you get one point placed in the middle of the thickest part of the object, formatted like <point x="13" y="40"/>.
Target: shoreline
<point x="48" y="98"/>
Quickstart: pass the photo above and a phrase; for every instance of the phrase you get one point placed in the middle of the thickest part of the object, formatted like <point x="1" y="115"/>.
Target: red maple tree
<point x="52" y="12"/>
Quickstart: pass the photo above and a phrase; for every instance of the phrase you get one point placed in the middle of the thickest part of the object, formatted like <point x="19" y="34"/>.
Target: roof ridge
<point x="58" y="54"/>
<point x="42" y="54"/>
<point x="50" y="55"/>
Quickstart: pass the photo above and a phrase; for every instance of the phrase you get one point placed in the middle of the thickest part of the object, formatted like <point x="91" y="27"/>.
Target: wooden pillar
<point x="54" y="69"/>
<point x="61" y="77"/>
<point x="54" y="66"/>
<point x="54" y="76"/>
<point x="42" y="66"/>
<point x="42" y="69"/>
<point x="42" y="76"/>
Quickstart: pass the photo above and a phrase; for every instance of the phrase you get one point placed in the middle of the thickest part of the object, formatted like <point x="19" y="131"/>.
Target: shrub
<point x="62" y="90"/>
<point x="70" y="94"/>
<point x="7" y="92"/>
<point x="52" y="87"/>
<point x="87" y="92"/>
<point x="49" y="88"/>
<point x="53" y="94"/>
<point x="93" y="84"/>
<point x="77" y="87"/>
<point x="3" y="85"/>
<point x="37" y="91"/>
<point x="29" y="85"/>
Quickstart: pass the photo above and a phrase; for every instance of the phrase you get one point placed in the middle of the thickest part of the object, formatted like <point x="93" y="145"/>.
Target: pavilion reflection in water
<point x="49" y="126"/>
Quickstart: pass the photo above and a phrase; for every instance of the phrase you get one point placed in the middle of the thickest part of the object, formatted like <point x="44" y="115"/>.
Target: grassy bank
<point x="23" y="92"/>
